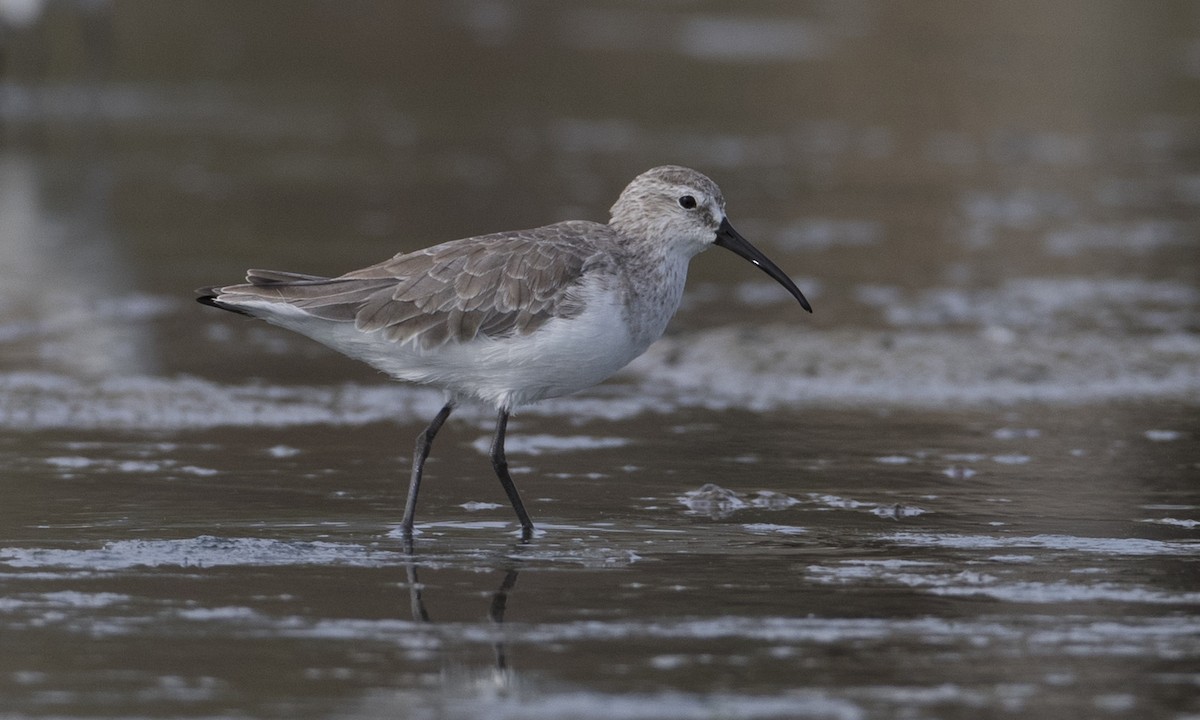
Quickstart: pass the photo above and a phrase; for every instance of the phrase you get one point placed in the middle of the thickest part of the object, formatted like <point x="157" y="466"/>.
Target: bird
<point x="510" y="318"/>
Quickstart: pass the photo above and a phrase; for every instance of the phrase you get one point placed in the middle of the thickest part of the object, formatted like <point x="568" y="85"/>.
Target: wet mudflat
<point x="967" y="486"/>
<point x="1020" y="563"/>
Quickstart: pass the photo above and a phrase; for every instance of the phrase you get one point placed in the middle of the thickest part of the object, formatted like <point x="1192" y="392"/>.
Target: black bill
<point x="729" y="239"/>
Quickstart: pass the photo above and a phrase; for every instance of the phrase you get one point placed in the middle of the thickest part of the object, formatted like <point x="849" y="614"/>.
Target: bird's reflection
<point x="496" y="609"/>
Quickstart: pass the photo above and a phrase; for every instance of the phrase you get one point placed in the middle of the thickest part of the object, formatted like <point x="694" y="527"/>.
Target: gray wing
<point x="493" y="285"/>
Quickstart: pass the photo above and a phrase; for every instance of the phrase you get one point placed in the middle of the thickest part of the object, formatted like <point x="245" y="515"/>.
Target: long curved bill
<point x="729" y="239"/>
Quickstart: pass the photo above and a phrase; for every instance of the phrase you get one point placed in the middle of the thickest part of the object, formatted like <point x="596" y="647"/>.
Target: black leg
<point x="501" y="466"/>
<point x="424" y="443"/>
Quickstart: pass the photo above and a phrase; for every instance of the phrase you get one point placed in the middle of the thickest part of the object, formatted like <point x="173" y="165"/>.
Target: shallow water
<point x="965" y="487"/>
<point x="711" y="563"/>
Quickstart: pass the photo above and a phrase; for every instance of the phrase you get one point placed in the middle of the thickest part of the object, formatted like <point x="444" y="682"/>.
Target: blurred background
<point x="981" y="178"/>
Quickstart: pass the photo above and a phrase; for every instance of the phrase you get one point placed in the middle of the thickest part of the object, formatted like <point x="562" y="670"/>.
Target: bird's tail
<point x="257" y="279"/>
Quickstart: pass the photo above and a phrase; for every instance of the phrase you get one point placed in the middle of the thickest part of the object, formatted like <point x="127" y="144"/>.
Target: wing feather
<point x="491" y="286"/>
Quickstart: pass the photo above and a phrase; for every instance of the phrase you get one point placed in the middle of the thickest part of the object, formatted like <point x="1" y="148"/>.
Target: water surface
<point x="965" y="487"/>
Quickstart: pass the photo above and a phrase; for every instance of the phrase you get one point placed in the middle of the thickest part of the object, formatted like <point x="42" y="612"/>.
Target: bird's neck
<point x="654" y="281"/>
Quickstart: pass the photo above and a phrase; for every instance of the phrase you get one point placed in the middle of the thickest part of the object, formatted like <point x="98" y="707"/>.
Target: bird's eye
<point x="687" y="202"/>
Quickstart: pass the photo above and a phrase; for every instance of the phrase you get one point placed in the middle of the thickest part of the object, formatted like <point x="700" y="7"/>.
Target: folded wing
<point x="493" y="285"/>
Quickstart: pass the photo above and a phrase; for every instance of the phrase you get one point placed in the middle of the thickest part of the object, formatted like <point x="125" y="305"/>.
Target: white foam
<point x="1016" y="433"/>
<point x="949" y="581"/>
<point x="1051" y="303"/>
<point x="1163" y="435"/>
<point x="39" y="401"/>
<point x="783" y="366"/>
<point x="73" y="463"/>
<point x="839" y="503"/>
<point x="90" y="601"/>
<point x="199" y="552"/>
<point x="1133" y="238"/>
<point x="897" y="511"/>
<point x="1070" y="543"/>
<point x="139" y="466"/>
<point x="1177" y="522"/>
<point x="283" y="451"/>
<point x="70" y="463"/>
<point x="225" y="613"/>
<point x="1011" y="459"/>
<point x="712" y="500"/>
<point x="1066" y="592"/>
<point x="772" y="529"/>
<point x="717" y="502"/>
<point x="199" y="471"/>
<point x="522" y="444"/>
<point x="484" y="700"/>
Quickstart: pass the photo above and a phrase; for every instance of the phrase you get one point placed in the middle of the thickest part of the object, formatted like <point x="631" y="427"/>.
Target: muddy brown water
<point x="965" y="487"/>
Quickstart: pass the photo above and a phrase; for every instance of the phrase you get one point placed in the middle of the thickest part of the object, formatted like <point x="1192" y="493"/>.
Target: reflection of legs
<point x="424" y="443"/>
<point x="496" y="615"/>
<point x="501" y="466"/>
<point x="414" y="590"/>
<point x="500" y="599"/>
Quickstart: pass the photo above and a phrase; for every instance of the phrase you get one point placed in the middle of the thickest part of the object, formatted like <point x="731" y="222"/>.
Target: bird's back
<point x="493" y="286"/>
